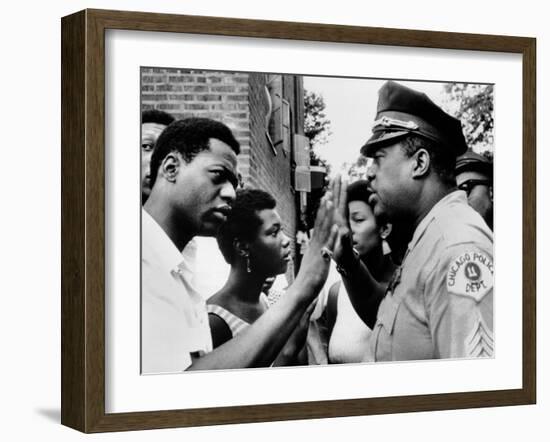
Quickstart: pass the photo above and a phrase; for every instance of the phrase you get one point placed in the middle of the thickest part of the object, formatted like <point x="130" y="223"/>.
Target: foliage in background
<point x="473" y="105"/>
<point x="317" y="130"/>
<point x="316" y="123"/>
<point x="358" y="170"/>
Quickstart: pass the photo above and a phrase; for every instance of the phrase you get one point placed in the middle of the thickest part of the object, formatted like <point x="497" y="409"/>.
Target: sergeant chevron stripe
<point x="480" y="343"/>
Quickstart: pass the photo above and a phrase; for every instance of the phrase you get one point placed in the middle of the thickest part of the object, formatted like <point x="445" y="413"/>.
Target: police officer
<point x="474" y="175"/>
<point x="439" y="303"/>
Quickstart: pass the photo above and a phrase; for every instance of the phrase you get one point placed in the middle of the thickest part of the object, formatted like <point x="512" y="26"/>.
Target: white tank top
<point x="349" y="341"/>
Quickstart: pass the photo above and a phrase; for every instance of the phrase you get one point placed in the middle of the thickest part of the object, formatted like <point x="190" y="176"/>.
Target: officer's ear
<point x="170" y="166"/>
<point x="421" y="163"/>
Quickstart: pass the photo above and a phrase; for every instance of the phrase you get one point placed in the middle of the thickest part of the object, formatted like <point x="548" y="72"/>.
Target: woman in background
<point x="348" y="334"/>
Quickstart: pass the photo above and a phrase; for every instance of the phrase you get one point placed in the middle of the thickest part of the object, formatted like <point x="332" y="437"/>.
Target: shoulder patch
<point x="471" y="275"/>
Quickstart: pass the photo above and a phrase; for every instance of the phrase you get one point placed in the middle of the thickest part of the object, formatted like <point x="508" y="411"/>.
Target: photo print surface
<point x="294" y="220"/>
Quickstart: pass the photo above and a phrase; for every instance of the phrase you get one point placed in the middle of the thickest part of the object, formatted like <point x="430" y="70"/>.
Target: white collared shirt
<point x="174" y="319"/>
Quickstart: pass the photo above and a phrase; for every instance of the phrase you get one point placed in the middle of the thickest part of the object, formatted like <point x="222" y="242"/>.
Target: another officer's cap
<point x="403" y="111"/>
<point x="473" y="162"/>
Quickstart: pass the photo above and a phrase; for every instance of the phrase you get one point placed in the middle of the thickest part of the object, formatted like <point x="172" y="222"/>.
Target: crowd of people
<point x="396" y="267"/>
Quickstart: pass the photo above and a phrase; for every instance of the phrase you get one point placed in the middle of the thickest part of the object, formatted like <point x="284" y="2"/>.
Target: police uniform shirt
<point x="174" y="317"/>
<point x="439" y="303"/>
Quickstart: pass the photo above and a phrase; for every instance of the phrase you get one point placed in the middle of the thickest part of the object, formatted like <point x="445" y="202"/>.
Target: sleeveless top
<point x="350" y="338"/>
<point x="235" y="324"/>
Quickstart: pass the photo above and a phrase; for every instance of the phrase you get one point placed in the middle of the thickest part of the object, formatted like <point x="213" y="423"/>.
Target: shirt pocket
<point x="384" y="328"/>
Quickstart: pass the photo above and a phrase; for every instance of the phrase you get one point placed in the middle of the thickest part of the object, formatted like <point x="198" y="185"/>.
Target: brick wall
<point x="239" y="100"/>
<point x="270" y="168"/>
<point x="184" y="93"/>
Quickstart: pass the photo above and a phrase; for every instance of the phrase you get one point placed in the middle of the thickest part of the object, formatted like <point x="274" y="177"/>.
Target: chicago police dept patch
<point x="471" y="275"/>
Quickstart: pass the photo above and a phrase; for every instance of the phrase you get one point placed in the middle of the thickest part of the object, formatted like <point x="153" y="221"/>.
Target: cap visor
<point x="381" y="139"/>
<point x="475" y="166"/>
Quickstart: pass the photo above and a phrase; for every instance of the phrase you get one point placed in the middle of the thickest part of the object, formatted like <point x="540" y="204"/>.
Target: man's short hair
<point x="156" y="116"/>
<point x="243" y="221"/>
<point x="441" y="160"/>
<point x="189" y="137"/>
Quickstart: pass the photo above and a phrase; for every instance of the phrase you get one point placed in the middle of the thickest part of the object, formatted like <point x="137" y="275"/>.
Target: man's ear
<point x="169" y="167"/>
<point x="421" y="165"/>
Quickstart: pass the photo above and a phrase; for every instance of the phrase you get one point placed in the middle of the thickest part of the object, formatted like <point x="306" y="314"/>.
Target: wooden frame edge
<point x="306" y="410"/>
<point x="195" y="24"/>
<point x="529" y="220"/>
<point x="73" y="128"/>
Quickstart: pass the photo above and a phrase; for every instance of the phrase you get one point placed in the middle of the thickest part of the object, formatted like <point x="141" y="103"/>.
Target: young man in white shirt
<point x="193" y="180"/>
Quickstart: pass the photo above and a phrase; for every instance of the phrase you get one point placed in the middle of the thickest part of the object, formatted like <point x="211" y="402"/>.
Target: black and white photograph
<point x="292" y="220"/>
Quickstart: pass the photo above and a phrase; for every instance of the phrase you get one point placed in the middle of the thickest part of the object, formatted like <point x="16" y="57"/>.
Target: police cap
<point x="403" y="111"/>
<point x="473" y="162"/>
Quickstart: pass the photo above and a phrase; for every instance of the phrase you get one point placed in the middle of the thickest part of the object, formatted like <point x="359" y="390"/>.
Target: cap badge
<point x="394" y="123"/>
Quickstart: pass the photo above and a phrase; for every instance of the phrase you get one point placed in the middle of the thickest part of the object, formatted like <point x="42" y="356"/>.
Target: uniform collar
<point x="157" y="244"/>
<point x="458" y="196"/>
